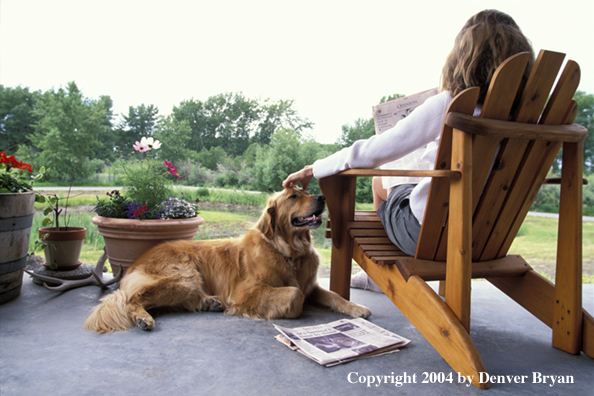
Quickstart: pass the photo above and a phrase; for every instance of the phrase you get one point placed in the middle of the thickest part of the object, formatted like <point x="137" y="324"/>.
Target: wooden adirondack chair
<point x="487" y="173"/>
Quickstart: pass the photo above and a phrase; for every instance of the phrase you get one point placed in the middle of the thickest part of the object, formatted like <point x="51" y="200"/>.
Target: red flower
<point x="13" y="162"/>
<point x="138" y="212"/>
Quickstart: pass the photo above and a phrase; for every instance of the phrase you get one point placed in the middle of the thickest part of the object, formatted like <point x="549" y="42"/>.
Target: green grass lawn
<point x="537" y="244"/>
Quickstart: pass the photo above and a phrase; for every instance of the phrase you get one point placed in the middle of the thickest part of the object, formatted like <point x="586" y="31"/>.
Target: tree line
<point x="226" y="140"/>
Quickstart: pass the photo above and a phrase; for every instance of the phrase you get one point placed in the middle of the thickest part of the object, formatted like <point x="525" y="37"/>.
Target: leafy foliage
<point x="585" y="117"/>
<point x="147" y="183"/>
<point x="140" y="121"/>
<point x="68" y="126"/>
<point x="16" y="116"/>
<point x="233" y="122"/>
<point x="113" y="207"/>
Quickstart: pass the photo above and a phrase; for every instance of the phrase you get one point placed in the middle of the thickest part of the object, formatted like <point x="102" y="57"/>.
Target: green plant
<point x="114" y="206"/>
<point x="203" y="192"/>
<point x="13" y="178"/>
<point x="148" y="187"/>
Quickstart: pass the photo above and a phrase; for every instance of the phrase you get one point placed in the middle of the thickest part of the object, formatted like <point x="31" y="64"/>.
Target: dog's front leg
<point x="333" y="300"/>
<point x="265" y="302"/>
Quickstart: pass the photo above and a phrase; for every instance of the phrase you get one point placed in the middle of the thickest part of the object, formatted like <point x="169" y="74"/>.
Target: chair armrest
<point x="557" y="180"/>
<point x="401" y="172"/>
<point x="572" y="133"/>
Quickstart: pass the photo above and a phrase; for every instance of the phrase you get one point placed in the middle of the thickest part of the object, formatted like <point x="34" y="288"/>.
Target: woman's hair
<point x="486" y="40"/>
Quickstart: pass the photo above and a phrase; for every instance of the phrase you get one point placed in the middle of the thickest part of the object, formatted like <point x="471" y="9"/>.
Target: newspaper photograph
<point x="341" y="341"/>
<point x="387" y="115"/>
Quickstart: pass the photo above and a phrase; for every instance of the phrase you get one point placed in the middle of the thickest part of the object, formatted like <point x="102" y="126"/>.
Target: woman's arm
<point x="304" y="176"/>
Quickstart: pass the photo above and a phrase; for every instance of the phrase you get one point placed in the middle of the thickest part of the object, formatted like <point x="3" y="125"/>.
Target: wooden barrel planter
<point x="16" y="217"/>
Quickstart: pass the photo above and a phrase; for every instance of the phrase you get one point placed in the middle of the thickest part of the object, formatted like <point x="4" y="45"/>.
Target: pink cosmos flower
<point x="140" y="147"/>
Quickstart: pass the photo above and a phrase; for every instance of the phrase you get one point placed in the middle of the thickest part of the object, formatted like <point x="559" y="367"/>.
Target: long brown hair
<point x="486" y="40"/>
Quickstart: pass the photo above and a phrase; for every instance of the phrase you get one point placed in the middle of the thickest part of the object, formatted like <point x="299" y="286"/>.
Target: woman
<point x="486" y="40"/>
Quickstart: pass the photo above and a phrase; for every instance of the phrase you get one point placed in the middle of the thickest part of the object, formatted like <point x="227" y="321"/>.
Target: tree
<point x="212" y="157"/>
<point x="585" y="117"/>
<point x="362" y="129"/>
<point x="174" y="136"/>
<point x="68" y="131"/>
<point x="287" y="153"/>
<point x="275" y="116"/>
<point x="16" y="116"/>
<point x="224" y="120"/>
<point x="233" y="122"/>
<point x="275" y="162"/>
<point x="141" y="121"/>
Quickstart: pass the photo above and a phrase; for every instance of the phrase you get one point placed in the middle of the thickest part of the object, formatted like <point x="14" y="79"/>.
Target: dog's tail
<point x="110" y="315"/>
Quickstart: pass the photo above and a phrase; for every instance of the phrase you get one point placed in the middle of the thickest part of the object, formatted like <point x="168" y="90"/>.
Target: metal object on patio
<point x="96" y="278"/>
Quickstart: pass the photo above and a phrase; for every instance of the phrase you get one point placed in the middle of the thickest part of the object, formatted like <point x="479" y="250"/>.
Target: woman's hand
<point x="304" y="176"/>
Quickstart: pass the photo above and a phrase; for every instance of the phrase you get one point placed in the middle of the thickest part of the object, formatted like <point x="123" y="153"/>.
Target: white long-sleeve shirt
<point x="422" y="128"/>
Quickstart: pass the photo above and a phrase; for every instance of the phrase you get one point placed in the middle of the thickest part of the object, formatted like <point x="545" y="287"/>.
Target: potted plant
<point x="61" y="244"/>
<point x="145" y="213"/>
<point x="17" y="201"/>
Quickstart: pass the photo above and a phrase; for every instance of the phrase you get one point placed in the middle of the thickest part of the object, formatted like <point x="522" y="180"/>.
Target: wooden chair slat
<point x="503" y="175"/>
<point x="365" y="224"/>
<point x="373" y="240"/>
<point x="439" y="192"/>
<point x="368" y="233"/>
<point x="512" y="265"/>
<point x="387" y="246"/>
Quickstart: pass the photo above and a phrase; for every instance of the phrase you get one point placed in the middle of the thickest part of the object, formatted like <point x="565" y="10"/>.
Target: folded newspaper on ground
<point x="341" y="341"/>
<point x="385" y="116"/>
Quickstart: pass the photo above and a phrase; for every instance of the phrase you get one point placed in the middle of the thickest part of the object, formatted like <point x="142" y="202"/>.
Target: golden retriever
<point x="268" y="273"/>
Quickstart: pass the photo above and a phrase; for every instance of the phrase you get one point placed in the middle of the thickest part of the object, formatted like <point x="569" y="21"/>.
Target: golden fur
<point x="268" y="273"/>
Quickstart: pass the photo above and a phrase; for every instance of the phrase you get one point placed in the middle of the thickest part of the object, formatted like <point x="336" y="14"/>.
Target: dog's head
<point x="291" y="211"/>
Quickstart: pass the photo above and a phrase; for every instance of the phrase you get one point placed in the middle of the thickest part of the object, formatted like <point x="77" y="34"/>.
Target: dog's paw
<point x="358" y="311"/>
<point x="211" y="305"/>
<point x="146" y="324"/>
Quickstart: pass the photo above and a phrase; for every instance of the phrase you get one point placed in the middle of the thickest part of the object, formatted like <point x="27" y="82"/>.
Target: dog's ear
<point x="267" y="222"/>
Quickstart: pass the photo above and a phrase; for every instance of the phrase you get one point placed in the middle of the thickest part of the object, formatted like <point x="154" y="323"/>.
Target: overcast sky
<point x="335" y="59"/>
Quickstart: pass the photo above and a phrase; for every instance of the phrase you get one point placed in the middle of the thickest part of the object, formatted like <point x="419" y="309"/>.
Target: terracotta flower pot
<point x="126" y="239"/>
<point x="16" y="217"/>
<point x="63" y="247"/>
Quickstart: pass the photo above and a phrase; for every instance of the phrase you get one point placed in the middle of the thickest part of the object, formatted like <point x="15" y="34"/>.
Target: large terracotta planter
<point x="63" y="247"/>
<point x="126" y="239"/>
<point x="16" y="217"/>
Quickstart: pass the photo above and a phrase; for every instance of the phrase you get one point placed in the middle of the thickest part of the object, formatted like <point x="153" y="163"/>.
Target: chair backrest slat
<point x="561" y="109"/>
<point x="502" y="179"/>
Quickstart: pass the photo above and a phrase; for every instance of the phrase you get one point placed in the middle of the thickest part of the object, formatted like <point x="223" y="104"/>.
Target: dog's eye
<point x="293" y="196"/>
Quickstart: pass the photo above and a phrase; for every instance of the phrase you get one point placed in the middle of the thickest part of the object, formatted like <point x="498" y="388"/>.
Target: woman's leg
<point x="379" y="192"/>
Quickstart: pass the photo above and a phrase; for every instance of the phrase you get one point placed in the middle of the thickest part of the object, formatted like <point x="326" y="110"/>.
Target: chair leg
<point x="537" y="295"/>
<point x="567" y="320"/>
<point x="340" y="199"/>
<point x="430" y="315"/>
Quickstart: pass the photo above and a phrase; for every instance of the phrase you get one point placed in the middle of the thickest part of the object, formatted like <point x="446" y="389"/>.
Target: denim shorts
<point x="400" y="223"/>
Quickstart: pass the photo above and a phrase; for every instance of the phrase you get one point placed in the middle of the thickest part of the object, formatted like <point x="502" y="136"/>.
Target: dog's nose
<point x="320" y="198"/>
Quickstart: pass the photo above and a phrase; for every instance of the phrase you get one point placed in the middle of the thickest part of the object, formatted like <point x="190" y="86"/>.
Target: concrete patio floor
<point x="45" y="351"/>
